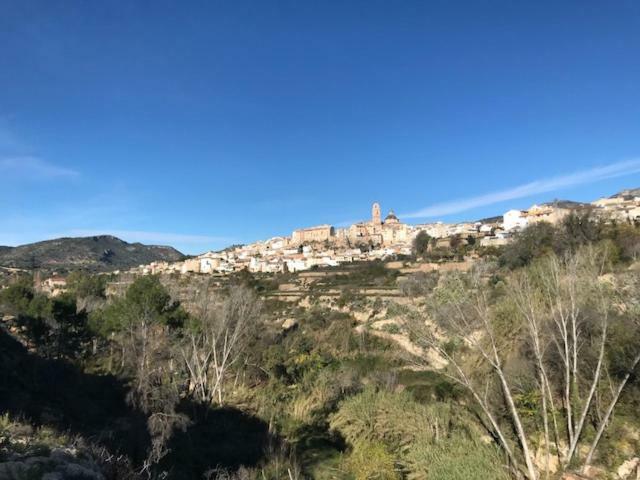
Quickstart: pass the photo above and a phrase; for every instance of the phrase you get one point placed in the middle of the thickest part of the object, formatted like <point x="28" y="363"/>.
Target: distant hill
<point x="566" y="204"/>
<point x="631" y="192"/>
<point x="101" y="253"/>
<point x="496" y="219"/>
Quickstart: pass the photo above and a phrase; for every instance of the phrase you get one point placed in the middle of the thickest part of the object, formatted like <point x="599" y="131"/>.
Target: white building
<point x="486" y="229"/>
<point x="435" y="230"/>
<point x="296" y="264"/>
<point x="514" y="219"/>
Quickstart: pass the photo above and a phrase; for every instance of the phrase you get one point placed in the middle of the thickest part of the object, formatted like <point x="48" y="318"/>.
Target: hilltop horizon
<point x="489" y="218"/>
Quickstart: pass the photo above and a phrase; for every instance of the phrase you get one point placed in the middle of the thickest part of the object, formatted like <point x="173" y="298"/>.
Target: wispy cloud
<point x="583" y="177"/>
<point x="151" y="237"/>
<point x="34" y="168"/>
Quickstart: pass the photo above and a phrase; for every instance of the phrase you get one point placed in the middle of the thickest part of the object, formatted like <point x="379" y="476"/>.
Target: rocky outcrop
<point x="57" y="464"/>
<point x="629" y="470"/>
<point x="289" y="323"/>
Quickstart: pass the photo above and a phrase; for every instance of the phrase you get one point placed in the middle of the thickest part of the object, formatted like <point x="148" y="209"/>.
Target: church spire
<point x="375" y="214"/>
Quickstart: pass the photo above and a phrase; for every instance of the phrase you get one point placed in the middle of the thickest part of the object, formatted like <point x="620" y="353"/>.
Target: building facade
<point x="319" y="233"/>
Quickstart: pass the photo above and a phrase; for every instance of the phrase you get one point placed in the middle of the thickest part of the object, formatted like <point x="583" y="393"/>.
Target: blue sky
<point x="200" y="124"/>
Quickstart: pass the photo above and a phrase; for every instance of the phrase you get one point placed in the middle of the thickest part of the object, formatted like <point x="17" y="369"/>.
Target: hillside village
<point x="376" y="239"/>
<point x="382" y="238"/>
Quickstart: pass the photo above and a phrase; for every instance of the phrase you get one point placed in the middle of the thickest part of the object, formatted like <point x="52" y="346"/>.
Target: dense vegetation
<point x="524" y="367"/>
<point x="539" y="239"/>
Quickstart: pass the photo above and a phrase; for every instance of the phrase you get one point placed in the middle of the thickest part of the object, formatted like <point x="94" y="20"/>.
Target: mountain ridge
<point x="98" y="253"/>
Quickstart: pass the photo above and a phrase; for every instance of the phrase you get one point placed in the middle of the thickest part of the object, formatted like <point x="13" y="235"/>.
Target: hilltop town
<point x="383" y="238"/>
<point x="452" y="245"/>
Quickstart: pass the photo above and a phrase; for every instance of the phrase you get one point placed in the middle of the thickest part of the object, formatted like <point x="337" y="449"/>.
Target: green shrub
<point x="371" y="461"/>
<point x="348" y="297"/>
<point x="433" y="441"/>
<point x="395" y="310"/>
<point x="454" y="458"/>
<point x="419" y="284"/>
<point x="427" y="386"/>
<point x="395" y="419"/>
<point x="84" y="285"/>
<point x="534" y="241"/>
<point x="392" y="328"/>
<point x="421" y="243"/>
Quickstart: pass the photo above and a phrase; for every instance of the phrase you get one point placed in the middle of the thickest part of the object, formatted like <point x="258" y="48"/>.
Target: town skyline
<point x="620" y="169"/>
<point x="388" y="238"/>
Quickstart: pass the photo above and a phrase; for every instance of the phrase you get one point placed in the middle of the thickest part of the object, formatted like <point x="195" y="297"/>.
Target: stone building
<point x="54" y="286"/>
<point x="393" y="231"/>
<point x="434" y="230"/>
<point x="550" y="213"/>
<point x="374" y="232"/>
<point x="191" y="265"/>
<point x="319" y="233"/>
<point x="624" y="206"/>
<point x="367" y="232"/>
<point x="379" y="232"/>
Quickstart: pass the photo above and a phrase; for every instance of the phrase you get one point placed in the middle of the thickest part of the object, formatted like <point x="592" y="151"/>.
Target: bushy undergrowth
<point x="435" y="441"/>
<point x="456" y="457"/>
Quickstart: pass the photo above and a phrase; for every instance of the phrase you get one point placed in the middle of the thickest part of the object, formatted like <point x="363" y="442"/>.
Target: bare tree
<point x="629" y="303"/>
<point x="558" y="310"/>
<point x="144" y="325"/>
<point x="156" y="385"/>
<point x="217" y="343"/>
<point x="578" y="304"/>
<point x="529" y="304"/>
<point x="467" y="319"/>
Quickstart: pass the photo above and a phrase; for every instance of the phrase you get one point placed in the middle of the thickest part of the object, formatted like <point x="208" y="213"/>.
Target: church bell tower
<point x="375" y="214"/>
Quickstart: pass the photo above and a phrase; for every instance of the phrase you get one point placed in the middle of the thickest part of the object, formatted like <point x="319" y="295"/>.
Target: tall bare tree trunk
<point x="594" y="384"/>
<point x="556" y="435"/>
<point x="607" y="416"/>
<point x="545" y="422"/>
<point x="463" y="380"/>
<point x="515" y="416"/>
